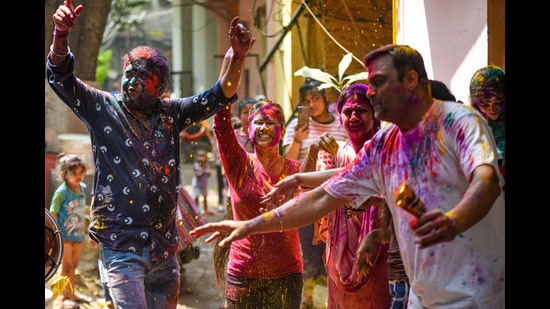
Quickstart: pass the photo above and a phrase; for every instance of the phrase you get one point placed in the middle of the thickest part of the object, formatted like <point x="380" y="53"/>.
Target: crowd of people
<point x="445" y="151"/>
<point x="316" y="203"/>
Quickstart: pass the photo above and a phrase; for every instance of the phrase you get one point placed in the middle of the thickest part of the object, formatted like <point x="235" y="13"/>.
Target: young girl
<point x="68" y="207"/>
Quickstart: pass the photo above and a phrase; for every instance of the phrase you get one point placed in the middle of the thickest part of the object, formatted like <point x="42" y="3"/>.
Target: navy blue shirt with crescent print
<point x="135" y="181"/>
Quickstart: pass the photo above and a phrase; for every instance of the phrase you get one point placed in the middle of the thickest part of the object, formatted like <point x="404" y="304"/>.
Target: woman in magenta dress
<point x="264" y="271"/>
<point x="343" y="231"/>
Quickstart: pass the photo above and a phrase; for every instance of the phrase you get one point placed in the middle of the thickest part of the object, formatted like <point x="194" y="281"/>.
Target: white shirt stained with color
<point x="436" y="158"/>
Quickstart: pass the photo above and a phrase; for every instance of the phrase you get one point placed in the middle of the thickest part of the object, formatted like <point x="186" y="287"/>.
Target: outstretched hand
<point x="241" y="38"/>
<point x="235" y="229"/>
<point x="66" y="15"/>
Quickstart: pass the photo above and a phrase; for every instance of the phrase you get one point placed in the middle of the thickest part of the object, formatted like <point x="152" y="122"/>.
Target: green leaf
<point x="344" y="64"/>
<point x="329" y="81"/>
<point x="316" y="74"/>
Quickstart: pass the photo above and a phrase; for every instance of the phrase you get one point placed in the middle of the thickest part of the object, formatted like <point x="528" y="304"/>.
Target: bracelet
<point x="280" y="220"/>
<point x="311" y="158"/>
<point x="60" y="55"/>
<point x="297" y="141"/>
<point x="451" y="222"/>
<point x="60" y="35"/>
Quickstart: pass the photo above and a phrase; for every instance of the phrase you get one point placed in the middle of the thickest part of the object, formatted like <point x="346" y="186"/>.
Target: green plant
<point x="339" y="82"/>
<point x="103" y="65"/>
<point x="122" y="10"/>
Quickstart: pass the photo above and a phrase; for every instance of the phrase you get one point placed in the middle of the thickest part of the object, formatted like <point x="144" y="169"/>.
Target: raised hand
<point x="241" y="38"/>
<point x="66" y="15"/>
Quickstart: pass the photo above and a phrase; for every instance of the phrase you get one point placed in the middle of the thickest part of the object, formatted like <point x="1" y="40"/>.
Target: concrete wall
<point x="452" y="36"/>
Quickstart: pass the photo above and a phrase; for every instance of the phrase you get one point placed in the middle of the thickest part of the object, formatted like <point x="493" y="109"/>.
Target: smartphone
<point x="303" y="115"/>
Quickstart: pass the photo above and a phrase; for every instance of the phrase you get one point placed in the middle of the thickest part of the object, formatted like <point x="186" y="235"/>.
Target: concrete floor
<point x="199" y="286"/>
<point x="198" y="289"/>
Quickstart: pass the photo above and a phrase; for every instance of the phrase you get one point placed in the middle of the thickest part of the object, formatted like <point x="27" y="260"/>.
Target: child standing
<point x="200" y="180"/>
<point x="68" y="207"/>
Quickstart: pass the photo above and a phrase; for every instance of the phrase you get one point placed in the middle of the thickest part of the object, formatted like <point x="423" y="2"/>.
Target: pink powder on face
<point x="266" y="112"/>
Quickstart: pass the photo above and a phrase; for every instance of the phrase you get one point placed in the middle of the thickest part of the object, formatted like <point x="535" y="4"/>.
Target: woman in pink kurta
<point x="347" y="286"/>
<point x="264" y="270"/>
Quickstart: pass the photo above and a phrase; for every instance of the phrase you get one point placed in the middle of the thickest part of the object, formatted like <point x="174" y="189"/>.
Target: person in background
<point x="137" y="165"/>
<point x="68" y="207"/>
<point x="264" y="271"/>
<point x="488" y="96"/>
<point x="197" y="136"/>
<point x="451" y="228"/>
<point x="296" y="143"/>
<point x="297" y="140"/>
<point x="199" y="182"/>
<point x="440" y="91"/>
<point x="245" y="105"/>
<point x="343" y="231"/>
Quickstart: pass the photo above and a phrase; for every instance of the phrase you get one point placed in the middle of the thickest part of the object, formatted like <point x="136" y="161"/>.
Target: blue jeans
<point x="135" y="282"/>
<point x="399" y="291"/>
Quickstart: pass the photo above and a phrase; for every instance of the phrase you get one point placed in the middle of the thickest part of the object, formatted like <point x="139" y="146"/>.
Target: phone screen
<point x="303" y="115"/>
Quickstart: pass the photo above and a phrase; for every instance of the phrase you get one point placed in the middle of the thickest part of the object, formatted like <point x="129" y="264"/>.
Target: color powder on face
<point x="267" y="113"/>
<point x="152" y="85"/>
<point x="139" y="72"/>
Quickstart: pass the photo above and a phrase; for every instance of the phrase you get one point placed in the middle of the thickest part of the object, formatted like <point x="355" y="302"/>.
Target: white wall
<point x="451" y="35"/>
<point x="205" y="49"/>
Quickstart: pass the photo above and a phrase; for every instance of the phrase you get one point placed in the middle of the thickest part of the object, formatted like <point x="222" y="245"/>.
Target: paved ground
<point x="198" y="289"/>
